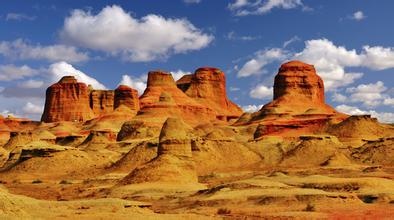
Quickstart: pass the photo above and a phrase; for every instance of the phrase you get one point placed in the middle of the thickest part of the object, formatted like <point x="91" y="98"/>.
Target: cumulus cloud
<point x="179" y="73"/>
<point x="31" y="84"/>
<point x="368" y="94"/>
<point x="330" y="62"/>
<point x="31" y="108"/>
<point x="138" y="83"/>
<point x="58" y="70"/>
<point x="261" y="92"/>
<point x="262" y="58"/>
<point x="385" y="117"/>
<point x="358" y="16"/>
<point x="19" y="17"/>
<point x="251" y="108"/>
<point x="11" y="72"/>
<point x="20" y="49"/>
<point x="151" y="37"/>
<point x="250" y="7"/>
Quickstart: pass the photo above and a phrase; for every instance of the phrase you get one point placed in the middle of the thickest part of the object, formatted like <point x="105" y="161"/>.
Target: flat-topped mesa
<point x="208" y="86"/>
<point x="67" y="100"/>
<point x="126" y="96"/>
<point x="162" y="99"/>
<point x="298" y="90"/>
<point x="299" y="79"/>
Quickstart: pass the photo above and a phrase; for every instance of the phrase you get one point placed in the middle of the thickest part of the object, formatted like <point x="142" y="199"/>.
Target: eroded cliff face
<point x="298" y="90"/>
<point x="208" y="87"/>
<point x="163" y="99"/>
<point x="126" y="96"/>
<point x="67" y="100"/>
<point x="298" y="106"/>
<point x="102" y="101"/>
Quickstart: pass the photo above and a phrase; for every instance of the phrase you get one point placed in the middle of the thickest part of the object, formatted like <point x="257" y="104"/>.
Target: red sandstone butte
<point x="67" y="100"/>
<point x="298" y="90"/>
<point x="162" y="99"/>
<point x="208" y="87"/>
<point x="102" y="101"/>
<point x="298" y="105"/>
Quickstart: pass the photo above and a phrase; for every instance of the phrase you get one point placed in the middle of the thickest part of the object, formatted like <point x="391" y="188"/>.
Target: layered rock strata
<point x="298" y="105"/>
<point x="174" y="162"/>
<point x="208" y="87"/>
<point x="163" y="99"/>
<point x="69" y="100"/>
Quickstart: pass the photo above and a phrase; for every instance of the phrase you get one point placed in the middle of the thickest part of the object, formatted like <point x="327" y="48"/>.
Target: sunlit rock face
<point x="67" y="100"/>
<point x="208" y="87"/>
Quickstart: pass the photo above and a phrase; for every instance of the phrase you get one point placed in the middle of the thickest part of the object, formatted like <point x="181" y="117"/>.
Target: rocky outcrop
<point x="102" y="101"/>
<point x="163" y="99"/>
<point x="126" y="96"/>
<point x="208" y="87"/>
<point x="174" y="162"/>
<point x="298" y="90"/>
<point x="67" y="100"/>
<point x="298" y="106"/>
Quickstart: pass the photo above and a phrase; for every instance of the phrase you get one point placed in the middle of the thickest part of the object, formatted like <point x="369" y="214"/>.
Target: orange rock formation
<point x="163" y="99"/>
<point x="67" y="100"/>
<point x="298" y="105"/>
<point x="208" y="86"/>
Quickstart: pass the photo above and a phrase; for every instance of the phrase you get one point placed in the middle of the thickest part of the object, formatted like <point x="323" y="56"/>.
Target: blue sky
<point x="105" y="43"/>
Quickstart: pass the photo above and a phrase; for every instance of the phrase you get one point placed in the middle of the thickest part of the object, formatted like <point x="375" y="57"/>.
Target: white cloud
<point x="31" y="108"/>
<point x="377" y="58"/>
<point x="234" y="89"/>
<point x="12" y="72"/>
<point x="290" y="41"/>
<point x="330" y="62"/>
<point x="137" y="83"/>
<point x="150" y="38"/>
<point x="251" y="108"/>
<point x="262" y="58"/>
<point x="191" y="1"/>
<point x="31" y="84"/>
<point x="358" y="16"/>
<point x="233" y="36"/>
<point x="20" y="49"/>
<point x="19" y="17"/>
<point x="249" y="7"/>
<point x="385" y="117"/>
<point x="179" y="73"/>
<point x="60" y="69"/>
<point x="368" y="94"/>
<point x="388" y="101"/>
<point x="261" y="92"/>
<point x="337" y="97"/>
